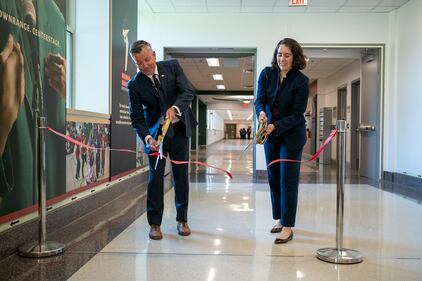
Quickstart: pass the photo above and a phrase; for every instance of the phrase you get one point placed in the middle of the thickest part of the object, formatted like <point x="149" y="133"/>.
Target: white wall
<point x="216" y="133"/>
<point x="92" y="56"/>
<point x="403" y="108"/>
<point x="327" y="97"/>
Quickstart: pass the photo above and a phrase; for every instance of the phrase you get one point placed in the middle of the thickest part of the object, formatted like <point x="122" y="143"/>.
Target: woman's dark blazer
<point x="291" y="128"/>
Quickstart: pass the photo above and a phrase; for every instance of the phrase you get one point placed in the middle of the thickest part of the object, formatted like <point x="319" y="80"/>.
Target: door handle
<point x="365" y="128"/>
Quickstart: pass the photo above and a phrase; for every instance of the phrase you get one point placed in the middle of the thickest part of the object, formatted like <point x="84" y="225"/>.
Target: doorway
<point x="354" y="95"/>
<point x="231" y="131"/>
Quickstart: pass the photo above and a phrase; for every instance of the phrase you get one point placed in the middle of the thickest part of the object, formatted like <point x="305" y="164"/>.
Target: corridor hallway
<point x="231" y="239"/>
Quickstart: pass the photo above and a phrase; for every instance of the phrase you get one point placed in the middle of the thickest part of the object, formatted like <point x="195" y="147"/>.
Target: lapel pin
<point x="162" y="75"/>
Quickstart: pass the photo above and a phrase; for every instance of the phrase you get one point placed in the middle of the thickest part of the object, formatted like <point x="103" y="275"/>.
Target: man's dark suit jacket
<point x="144" y="103"/>
<point x="291" y="128"/>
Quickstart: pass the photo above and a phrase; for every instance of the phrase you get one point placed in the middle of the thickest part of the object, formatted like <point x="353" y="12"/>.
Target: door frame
<point x="381" y="48"/>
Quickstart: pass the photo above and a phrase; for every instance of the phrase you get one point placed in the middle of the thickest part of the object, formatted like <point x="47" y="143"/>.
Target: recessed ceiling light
<point x="217" y="76"/>
<point x="230" y="114"/>
<point x="213" y="62"/>
<point x="221" y="87"/>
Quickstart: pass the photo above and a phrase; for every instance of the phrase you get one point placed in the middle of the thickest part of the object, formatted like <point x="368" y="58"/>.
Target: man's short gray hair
<point x="138" y="45"/>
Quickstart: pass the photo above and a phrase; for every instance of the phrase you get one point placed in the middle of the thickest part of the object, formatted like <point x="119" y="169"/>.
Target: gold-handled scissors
<point x="261" y="135"/>
<point x="160" y="140"/>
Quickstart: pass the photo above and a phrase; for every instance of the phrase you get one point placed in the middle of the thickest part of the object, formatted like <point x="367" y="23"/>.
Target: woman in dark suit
<point x="281" y="101"/>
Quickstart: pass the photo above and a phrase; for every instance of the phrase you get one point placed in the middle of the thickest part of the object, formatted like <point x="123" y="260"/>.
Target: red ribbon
<point x="192" y="162"/>
<point x="315" y="156"/>
<point x="72" y="140"/>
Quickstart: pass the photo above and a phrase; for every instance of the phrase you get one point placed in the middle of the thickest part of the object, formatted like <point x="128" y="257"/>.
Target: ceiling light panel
<point x="217" y="76"/>
<point x="213" y="62"/>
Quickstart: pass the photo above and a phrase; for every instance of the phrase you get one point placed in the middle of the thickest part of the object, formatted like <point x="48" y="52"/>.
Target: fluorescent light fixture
<point x="230" y="114"/>
<point x="246" y="101"/>
<point x="250" y="116"/>
<point x="213" y="62"/>
<point x="221" y="87"/>
<point x="217" y="76"/>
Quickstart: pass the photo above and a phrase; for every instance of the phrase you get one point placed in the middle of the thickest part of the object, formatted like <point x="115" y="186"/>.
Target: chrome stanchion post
<point x="43" y="248"/>
<point x="339" y="254"/>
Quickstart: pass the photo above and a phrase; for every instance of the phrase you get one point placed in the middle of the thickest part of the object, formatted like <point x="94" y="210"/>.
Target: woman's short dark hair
<point x="299" y="61"/>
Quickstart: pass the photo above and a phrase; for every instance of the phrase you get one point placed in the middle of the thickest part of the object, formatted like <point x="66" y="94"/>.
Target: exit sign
<point x="296" y="3"/>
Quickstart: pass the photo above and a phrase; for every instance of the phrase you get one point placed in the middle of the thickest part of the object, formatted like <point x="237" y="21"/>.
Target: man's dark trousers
<point x="177" y="147"/>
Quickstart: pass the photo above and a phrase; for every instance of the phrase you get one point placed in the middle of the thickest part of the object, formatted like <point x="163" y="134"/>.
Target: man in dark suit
<point x="159" y="91"/>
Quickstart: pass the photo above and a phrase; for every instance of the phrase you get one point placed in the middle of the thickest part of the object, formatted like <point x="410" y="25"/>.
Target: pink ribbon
<point x="315" y="156"/>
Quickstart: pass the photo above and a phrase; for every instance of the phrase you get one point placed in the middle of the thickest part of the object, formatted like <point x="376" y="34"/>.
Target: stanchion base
<point x="36" y="250"/>
<point x="339" y="256"/>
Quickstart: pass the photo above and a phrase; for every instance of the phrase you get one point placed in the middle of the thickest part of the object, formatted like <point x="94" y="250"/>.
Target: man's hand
<point x="171" y="113"/>
<point x="12" y="87"/>
<point x="55" y="71"/>
<point x="153" y="144"/>
<point x="262" y="117"/>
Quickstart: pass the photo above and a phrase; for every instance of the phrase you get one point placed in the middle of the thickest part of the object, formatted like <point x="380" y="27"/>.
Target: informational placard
<point x="123" y="32"/>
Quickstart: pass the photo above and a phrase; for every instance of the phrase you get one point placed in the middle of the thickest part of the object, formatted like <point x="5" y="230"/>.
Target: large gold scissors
<point x="261" y="135"/>
<point x="160" y="140"/>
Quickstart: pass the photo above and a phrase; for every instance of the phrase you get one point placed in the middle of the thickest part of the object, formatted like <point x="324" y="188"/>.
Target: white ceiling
<point x="273" y="6"/>
<point x="238" y="73"/>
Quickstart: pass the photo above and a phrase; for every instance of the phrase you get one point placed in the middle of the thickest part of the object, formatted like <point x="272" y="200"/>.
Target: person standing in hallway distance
<point x="281" y="101"/>
<point x="159" y="91"/>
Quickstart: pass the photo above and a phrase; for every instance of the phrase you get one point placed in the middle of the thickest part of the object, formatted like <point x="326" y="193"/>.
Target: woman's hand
<point x="262" y="117"/>
<point x="270" y="129"/>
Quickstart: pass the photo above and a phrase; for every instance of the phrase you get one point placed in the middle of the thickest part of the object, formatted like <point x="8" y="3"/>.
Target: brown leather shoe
<point x="282" y="241"/>
<point x="183" y="228"/>
<point x="155" y="232"/>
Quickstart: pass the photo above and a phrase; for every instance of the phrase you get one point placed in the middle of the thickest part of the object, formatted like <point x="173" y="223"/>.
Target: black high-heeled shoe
<point x="282" y="241"/>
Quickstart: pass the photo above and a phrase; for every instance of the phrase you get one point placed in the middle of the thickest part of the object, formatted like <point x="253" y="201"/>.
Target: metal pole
<point x="339" y="254"/>
<point x="43" y="248"/>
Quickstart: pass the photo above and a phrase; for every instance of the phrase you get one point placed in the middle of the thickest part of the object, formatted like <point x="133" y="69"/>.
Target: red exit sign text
<point x="298" y="2"/>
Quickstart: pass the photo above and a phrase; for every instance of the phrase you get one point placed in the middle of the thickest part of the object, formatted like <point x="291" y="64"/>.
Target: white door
<point x="369" y="127"/>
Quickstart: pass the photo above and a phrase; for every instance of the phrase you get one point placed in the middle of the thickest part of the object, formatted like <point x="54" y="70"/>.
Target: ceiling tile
<point x="191" y="9"/>
<point x="223" y="9"/>
<point x="223" y="2"/>
<point x="322" y="9"/>
<point x="331" y="3"/>
<point x="355" y="9"/>
<point x="189" y="2"/>
<point x="362" y="3"/>
<point x="383" y="9"/>
<point x="392" y="3"/>
<point x="257" y="9"/>
<point x="159" y="2"/>
<point x="162" y="9"/>
<point x="258" y="2"/>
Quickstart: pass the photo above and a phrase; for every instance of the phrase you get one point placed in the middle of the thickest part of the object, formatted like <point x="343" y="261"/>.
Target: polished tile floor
<point x="231" y="219"/>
